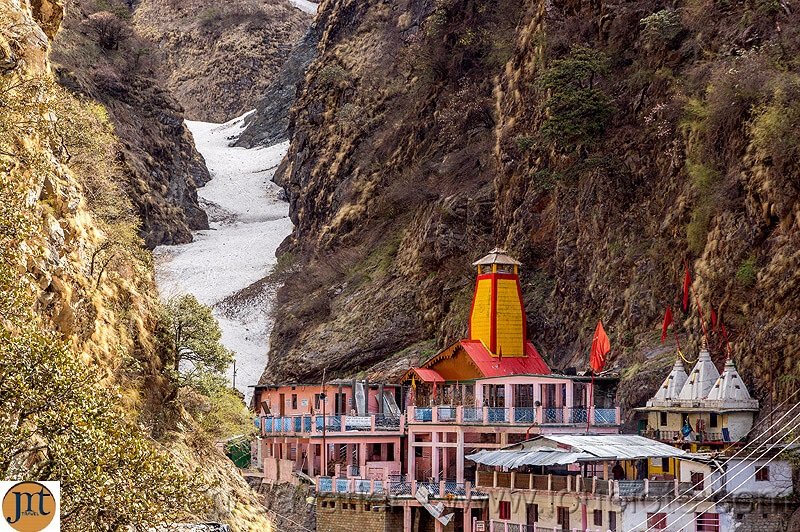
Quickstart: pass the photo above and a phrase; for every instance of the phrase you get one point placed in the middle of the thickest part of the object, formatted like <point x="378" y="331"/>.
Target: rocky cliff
<point x="604" y="144"/>
<point x="218" y="58"/>
<point x="82" y="380"/>
<point x="270" y="122"/>
<point x="98" y="53"/>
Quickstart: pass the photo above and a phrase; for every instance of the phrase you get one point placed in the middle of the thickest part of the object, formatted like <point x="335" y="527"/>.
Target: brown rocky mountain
<point x="157" y="156"/>
<point x="218" y="58"/>
<point x="82" y="369"/>
<point x="604" y="144"/>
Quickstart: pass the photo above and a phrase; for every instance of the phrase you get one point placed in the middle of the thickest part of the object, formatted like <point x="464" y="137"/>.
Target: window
<point x="662" y="418"/>
<point x="317" y="403"/>
<point x="698" y="479"/>
<point x="367" y="507"/>
<point x="562" y="516"/>
<point x="657" y="521"/>
<point x="713" y="422"/>
<point x="533" y="514"/>
<point x="598" y="518"/>
<point x="762" y="474"/>
<point x="505" y="510"/>
<point x="665" y="465"/>
<point x="294" y="400"/>
<point x="612" y="521"/>
<point x="707" y="522"/>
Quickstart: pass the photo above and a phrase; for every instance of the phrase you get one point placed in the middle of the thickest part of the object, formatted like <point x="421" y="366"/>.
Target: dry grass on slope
<point x="219" y="57"/>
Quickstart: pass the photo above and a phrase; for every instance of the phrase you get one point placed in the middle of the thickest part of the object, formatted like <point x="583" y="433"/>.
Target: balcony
<point x="579" y="484"/>
<point x="672" y="436"/>
<point x="315" y="425"/>
<point x="399" y="486"/>
<point x="524" y="416"/>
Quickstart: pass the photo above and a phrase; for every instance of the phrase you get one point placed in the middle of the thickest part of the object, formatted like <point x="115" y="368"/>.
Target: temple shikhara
<point x="484" y="435"/>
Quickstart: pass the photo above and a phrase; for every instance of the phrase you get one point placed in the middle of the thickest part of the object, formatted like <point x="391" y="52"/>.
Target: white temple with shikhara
<point x="703" y="408"/>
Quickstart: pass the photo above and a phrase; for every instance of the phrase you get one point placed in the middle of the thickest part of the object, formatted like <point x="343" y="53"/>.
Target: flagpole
<point x="589" y="406"/>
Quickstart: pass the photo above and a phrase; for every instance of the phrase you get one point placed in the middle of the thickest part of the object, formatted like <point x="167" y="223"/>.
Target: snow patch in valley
<point x="224" y="265"/>
<point x="306" y="5"/>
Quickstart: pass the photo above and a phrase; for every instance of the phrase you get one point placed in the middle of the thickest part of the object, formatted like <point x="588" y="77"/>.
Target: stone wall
<point x="349" y="512"/>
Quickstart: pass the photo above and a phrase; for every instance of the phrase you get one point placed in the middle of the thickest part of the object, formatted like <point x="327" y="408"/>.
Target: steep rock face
<point x="603" y="144"/>
<point x="270" y="123"/>
<point x="71" y="254"/>
<point x="157" y="154"/>
<point x="218" y="58"/>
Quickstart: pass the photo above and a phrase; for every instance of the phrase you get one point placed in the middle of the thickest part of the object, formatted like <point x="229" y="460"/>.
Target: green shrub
<point x="332" y="74"/>
<point x="746" y="273"/>
<point x="775" y="126"/>
<point x="524" y="142"/>
<point x="576" y="111"/>
<point x="661" y="27"/>
<point x="545" y="180"/>
<point x="703" y="177"/>
<point x="697" y="230"/>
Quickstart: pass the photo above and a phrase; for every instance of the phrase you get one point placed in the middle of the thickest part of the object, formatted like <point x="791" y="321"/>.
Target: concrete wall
<point x="738" y="476"/>
<point x="348" y="513"/>
<point x="548" y="502"/>
<point x="778" y="485"/>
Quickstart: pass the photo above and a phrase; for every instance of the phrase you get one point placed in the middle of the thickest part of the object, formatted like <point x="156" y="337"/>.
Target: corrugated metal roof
<point x="620" y="446"/>
<point x="576" y="448"/>
<point x="514" y="459"/>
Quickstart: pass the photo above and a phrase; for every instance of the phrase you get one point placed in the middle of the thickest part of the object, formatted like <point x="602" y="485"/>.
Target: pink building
<point x="298" y="422"/>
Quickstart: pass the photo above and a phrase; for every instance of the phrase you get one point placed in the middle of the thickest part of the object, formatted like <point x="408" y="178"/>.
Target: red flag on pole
<point x="687" y="283"/>
<point x="600" y="348"/>
<point x="713" y="319"/>
<point x="667" y="323"/>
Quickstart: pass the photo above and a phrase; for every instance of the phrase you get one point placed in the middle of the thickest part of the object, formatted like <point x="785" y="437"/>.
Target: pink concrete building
<point x="298" y="422"/>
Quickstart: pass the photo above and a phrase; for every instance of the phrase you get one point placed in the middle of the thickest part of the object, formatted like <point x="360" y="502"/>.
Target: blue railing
<point x="498" y="414"/>
<point x="605" y="416"/>
<point x="552" y="415"/>
<point x="325" y="484"/>
<point x="446" y="413"/>
<point x="524" y="414"/>
<point x="472" y="414"/>
<point x="578" y="415"/>
<point x="423" y="414"/>
<point x="398" y="485"/>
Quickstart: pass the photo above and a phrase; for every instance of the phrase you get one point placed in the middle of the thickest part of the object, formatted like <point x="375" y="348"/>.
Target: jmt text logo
<point x="30" y="506"/>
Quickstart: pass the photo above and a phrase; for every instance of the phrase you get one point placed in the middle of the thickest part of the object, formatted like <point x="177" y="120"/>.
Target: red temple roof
<point x="492" y="366"/>
<point x="428" y="375"/>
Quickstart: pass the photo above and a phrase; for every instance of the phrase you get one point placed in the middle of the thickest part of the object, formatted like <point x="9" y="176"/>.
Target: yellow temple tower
<point x="497" y="318"/>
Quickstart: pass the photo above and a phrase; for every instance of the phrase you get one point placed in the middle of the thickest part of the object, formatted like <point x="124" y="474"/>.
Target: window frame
<point x="504" y="510"/>
<point x="657" y="520"/>
<point x="762" y="473"/>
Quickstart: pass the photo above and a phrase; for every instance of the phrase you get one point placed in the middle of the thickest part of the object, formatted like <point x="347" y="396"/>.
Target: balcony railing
<point x="519" y="415"/>
<point x="676" y="435"/>
<point x="469" y="415"/>
<point x="312" y="424"/>
<point x="579" y="484"/>
<point x="397" y="485"/>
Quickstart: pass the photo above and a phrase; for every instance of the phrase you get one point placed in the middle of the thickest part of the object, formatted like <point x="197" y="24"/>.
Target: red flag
<point x="687" y="283"/>
<point x="600" y="348"/>
<point x="713" y="319"/>
<point x="667" y="323"/>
